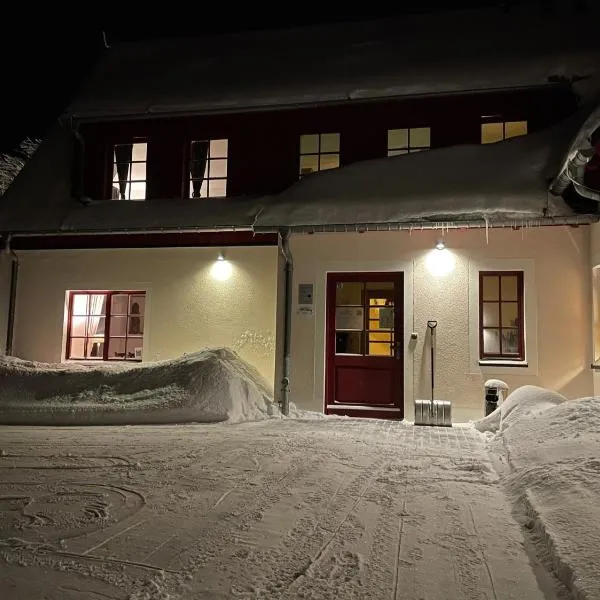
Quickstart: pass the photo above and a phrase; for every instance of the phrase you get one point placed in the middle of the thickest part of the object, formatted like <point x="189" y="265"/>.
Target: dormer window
<point x="208" y="169"/>
<point x="319" y="152"/>
<point x="129" y="171"/>
<point x="497" y="131"/>
<point x="408" y="140"/>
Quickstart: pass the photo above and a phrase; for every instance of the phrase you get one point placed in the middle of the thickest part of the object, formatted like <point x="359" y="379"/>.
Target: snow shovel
<point x="433" y="412"/>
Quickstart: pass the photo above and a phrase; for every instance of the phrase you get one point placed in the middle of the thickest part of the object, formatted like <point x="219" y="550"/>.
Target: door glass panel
<point x="380" y="344"/>
<point x="350" y="318"/>
<point x="348" y="342"/>
<point x="349" y="293"/>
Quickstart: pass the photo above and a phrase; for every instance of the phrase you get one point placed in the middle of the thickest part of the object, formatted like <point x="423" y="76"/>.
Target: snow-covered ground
<point x="547" y="452"/>
<point x="278" y="508"/>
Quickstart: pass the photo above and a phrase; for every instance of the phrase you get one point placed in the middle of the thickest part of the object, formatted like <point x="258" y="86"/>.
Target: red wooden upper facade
<point x="257" y="153"/>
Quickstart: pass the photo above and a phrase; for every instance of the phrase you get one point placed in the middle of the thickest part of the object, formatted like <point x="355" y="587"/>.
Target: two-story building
<point x="312" y="198"/>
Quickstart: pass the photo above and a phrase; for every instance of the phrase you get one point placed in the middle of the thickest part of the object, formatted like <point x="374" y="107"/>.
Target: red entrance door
<point x="364" y="345"/>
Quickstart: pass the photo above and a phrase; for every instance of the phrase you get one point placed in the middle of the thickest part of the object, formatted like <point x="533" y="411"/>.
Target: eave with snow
<point x="519" y="215"/>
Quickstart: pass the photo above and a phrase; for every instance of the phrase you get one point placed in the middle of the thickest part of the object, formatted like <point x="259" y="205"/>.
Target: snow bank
<point x="548" y="452"/>
<point x="208" y="386"/>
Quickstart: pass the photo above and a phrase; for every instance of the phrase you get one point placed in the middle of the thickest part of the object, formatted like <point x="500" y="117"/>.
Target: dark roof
<point x="410" y="55"/>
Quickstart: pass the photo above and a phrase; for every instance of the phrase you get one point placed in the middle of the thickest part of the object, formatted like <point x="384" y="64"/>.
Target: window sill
<point x="504" y="363"/>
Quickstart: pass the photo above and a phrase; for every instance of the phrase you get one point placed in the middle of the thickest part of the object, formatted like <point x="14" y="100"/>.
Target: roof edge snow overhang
<point x="104" y="116"/>
<point x="572" y="220"/>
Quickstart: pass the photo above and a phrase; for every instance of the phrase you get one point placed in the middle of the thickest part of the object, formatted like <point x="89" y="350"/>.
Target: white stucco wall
<point x="595" y="314"/>
<point x="556" y="264"/>
<point x="186" y="307"/>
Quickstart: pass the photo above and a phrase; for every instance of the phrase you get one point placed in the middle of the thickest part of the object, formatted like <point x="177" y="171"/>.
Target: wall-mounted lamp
<point x="222" y="268"/>
<point x="440" y="261"/>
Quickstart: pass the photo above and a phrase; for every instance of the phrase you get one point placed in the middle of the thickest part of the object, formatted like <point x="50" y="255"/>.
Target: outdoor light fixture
<point x="440" y="261"/>
<point x="222" y="268"/>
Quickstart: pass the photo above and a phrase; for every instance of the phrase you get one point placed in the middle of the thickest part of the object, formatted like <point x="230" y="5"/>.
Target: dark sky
<point x="41" y="69"/>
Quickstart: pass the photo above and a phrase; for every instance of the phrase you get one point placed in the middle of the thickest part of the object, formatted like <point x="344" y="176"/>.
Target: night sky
<point x="41" y="69"/>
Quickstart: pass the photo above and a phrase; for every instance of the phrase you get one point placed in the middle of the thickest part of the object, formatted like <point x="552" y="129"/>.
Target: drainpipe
<point x="287" y="330"/>
<point x="12" y="303"/>
<point x="574" y="172"/>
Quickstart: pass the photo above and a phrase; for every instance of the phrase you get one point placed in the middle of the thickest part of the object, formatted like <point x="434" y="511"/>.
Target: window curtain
<point x="123" y="158"/>
<point x="198" y="162"/>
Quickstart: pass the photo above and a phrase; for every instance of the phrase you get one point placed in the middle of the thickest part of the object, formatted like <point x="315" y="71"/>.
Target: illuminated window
<point x="319" y="152"/>
<point x="408" y="140"/>
<point x="501" y="321"/>
<point x="129" y="171"/>
<point x="502" y="130"/>
<point x="105" y="325"/>
<point x="208" y="169"/>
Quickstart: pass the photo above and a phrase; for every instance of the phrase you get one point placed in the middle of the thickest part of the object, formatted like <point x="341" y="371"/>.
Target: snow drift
<point x="208" y="386"/>
<point x="547" y="450"/>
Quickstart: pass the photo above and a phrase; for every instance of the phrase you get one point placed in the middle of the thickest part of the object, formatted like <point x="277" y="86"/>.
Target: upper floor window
<point x="208" y="169"/>
<point x="501" y="316"/>
<point x="407" y="140"/>
<point x="129" y="171"/>
<point x="105" y="325"/>
<point x="497" y="131"/>
<point x="319" y="152"/>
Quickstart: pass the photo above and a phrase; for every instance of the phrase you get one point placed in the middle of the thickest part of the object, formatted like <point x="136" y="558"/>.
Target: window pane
<point x="95" y="326"/>
<point x="78" y="326"/>
<point x="510" y="341"/>
<point x="137" y="304"/>
<point x="491" y="341"/>
<point x="491" y="314"/>
<point x="349" y="292"/>
<point x="138" y="191"/>
<point x="397" y="138"/>
<point x="80" y="304"/>
<point x="329" y="161"/>
<point x="515" y="128"/>
<point x="421" y="137"/>
<point x="135" y="326"/>
<point x="510" y="314"/>
<point x="95" y="349"/>
<point x="126" y="168"/>
<point x="348" y="342"/>
<point x="116" y="349"/>
<point x="309" y="143"/>
<point x="217" y="188"/>
<point x="218" y="148"/>
<point x="492" y="132"/>
<point x="490" y="286"/>
<point x="77" y="348"/>
<point x="138" y="171"/>
<point x="509" y="287"/>
<point x="139" y="151"/>
<point x="134" y="349"/>
<point x="309" y="164"/>
<point x="119" y="304"/>
<point x="330" y="142"/>
<point x="218" y="168"/>
<point x="118" y="326"/>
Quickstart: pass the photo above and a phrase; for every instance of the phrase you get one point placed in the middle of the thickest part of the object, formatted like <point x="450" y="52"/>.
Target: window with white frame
<point x="501" y="316"/>
<point x="129" y="171"/>
<point x="208" y="168"/>
<point x="496" y="131"/>
<point x="319" y="152"/>
<point x="105" y="325"/>
<point x="408" y="140"/>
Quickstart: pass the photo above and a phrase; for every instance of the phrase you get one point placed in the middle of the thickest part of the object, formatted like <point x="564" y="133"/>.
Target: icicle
<point x="487" y="232"/>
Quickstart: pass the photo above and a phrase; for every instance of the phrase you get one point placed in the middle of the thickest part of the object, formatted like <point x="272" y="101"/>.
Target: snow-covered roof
<point x="411" y="55"/>
<point x="12" y="162"/>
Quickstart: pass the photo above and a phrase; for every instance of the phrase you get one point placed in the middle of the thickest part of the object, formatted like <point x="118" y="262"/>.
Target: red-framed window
<point x="501" y="316"/>
<point x="105" y="325"/>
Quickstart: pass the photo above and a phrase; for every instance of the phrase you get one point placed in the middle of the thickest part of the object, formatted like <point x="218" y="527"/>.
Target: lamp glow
<point x="440" y="261"/>
<point x="222" y="268"/>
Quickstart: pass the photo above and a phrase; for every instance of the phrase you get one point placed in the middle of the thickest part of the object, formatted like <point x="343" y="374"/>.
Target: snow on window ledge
<point x="504" y="363"/>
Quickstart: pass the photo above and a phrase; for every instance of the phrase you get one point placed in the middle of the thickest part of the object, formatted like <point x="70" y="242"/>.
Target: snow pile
<point x="208" y="386"/>
<point x="548" y="456"/>
<point x="526" y="401"/>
